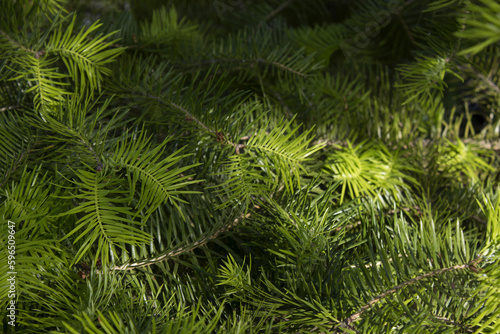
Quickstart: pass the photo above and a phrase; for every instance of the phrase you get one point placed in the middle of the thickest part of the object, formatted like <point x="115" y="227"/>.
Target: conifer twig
<point x="191" y="117"/>
<point x="17" y="44"/>
<point x="484" y="78"/>
<point x="275" y="12"/>
<point x="181" y="250"/>
<point x="9" y="108"/>
<point x="253" y="62"/>
<point x="355" y="316"/>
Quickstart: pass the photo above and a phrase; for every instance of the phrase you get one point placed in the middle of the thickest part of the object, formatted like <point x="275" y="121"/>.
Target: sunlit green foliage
<point x="250" y="166"/>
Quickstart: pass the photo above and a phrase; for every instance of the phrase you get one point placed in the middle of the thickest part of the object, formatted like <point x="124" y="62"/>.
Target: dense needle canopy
<point x="249" y="166"/>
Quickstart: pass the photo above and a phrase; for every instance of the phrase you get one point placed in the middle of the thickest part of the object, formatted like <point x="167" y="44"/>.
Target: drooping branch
<point x="181" y="250"/>
<point x="355" y="316"/>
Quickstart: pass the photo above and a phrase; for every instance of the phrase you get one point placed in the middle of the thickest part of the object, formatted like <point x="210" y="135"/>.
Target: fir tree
<point x="249" y="166"/>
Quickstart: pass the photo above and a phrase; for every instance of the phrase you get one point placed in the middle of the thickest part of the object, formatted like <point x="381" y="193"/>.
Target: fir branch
<point x="190" y="117"/>
<point x="252" y="63"/>
<point x="355" y="316"/>
<point x="181" y="250"/>
<point x="376" y="264"/>
<point x="454" y="323"/>
<point x="275" y="12"/>
<point x="15" y="166"/>
<point x="37" y="54"/>
<point x="488" y="144"/>
<point x="88" y="145"/>
<point x="10" y="108"/>
<point x="481" y="76"/>
<point x="219" y="90"/>
<point x="405" y="26"/>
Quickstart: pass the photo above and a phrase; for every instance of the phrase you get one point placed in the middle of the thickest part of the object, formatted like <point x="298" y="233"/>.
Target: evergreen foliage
<point x="248" y="166"/>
